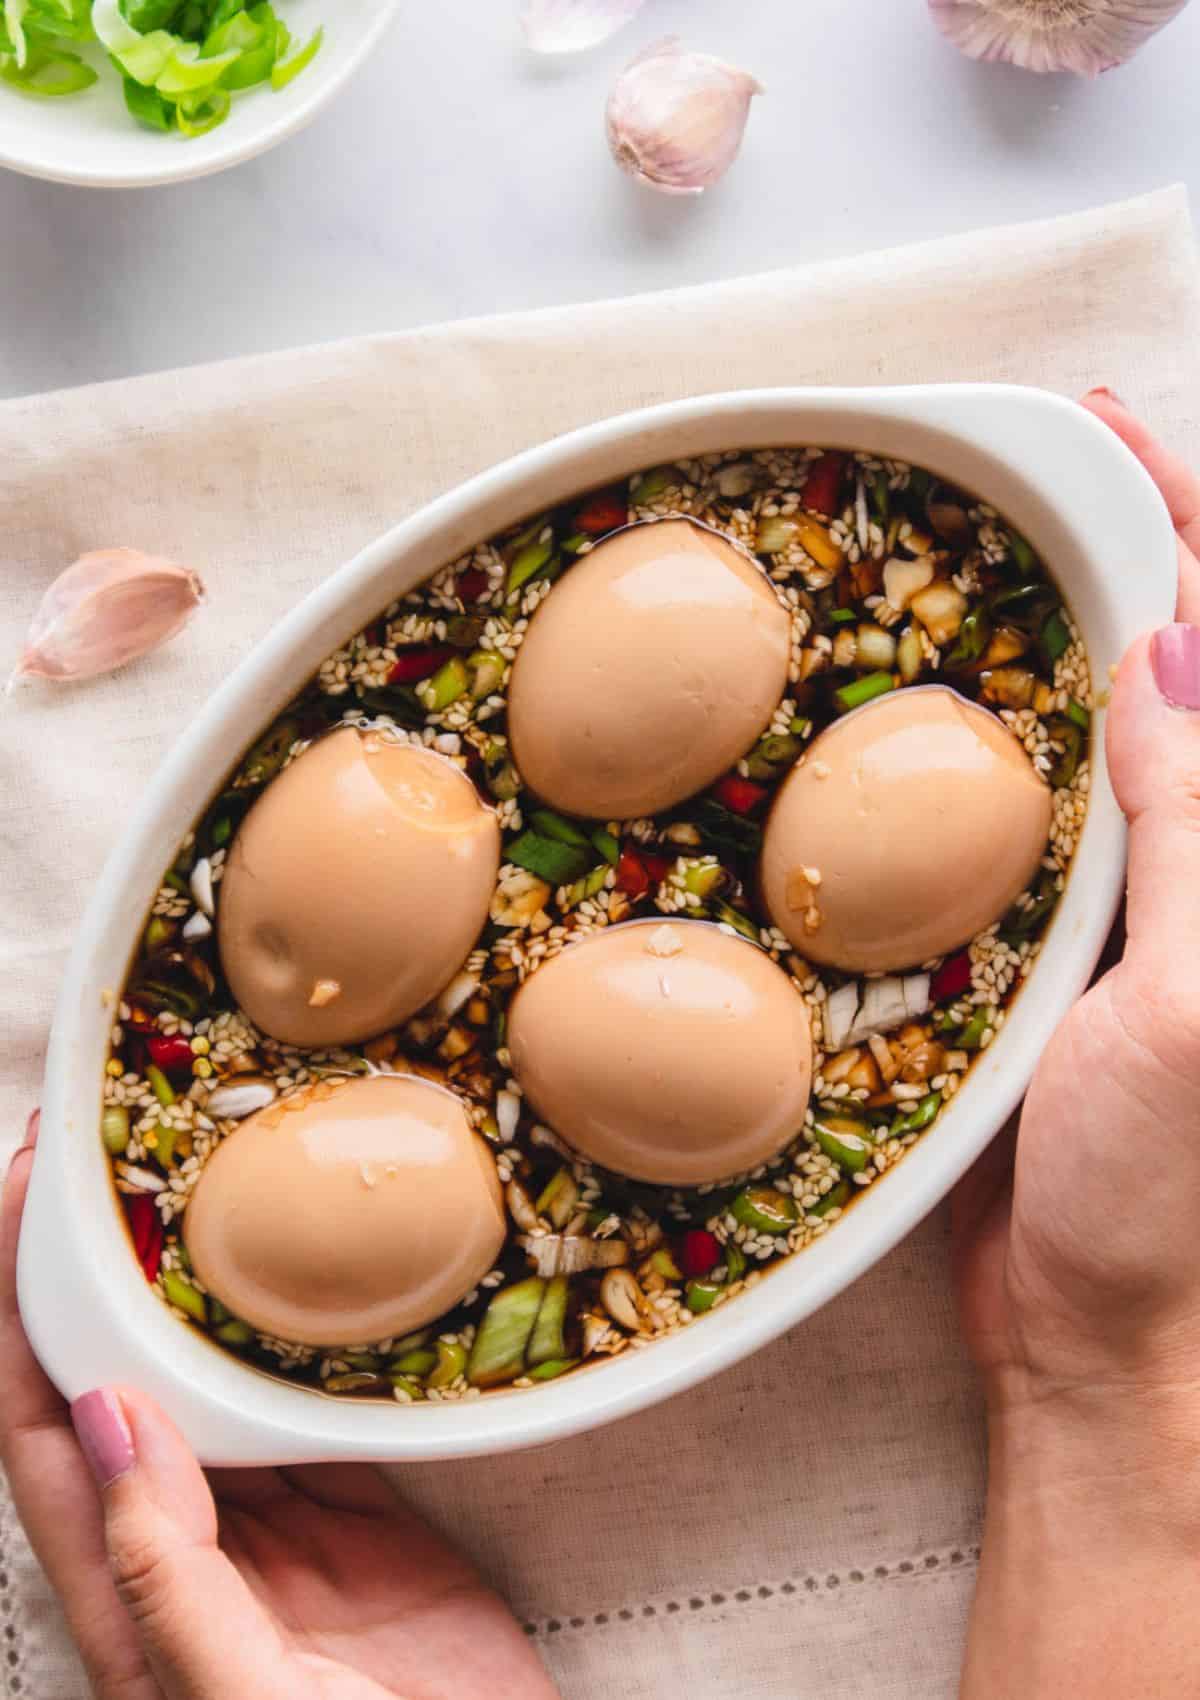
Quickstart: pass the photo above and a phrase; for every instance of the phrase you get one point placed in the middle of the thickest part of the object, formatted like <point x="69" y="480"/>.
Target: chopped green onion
<point x="527" y="563"/>
<point x="560" y="864"/>
<point x="498" y="1354"/>
<point x="161" y="1086"/>
<point x="608" y="846"/>
<point x="1056" y="639"/>
<point x="1075" y="711"/>
<point x="546" y="1343"/>
<point x="551" y="825"/>
<point x="184" y="1296"/>
<point x="552" y="1368"/>
<point x="863" y="690"/>
<point x="283" y="73"/>
<point x="114" y="1128"/>
<point x="1023" y="556"/>
<point x="198" y="114"/>
<point x="47" y="73"/>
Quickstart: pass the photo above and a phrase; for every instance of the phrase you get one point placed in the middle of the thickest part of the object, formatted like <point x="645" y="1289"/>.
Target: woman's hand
<point x="1079" y="1278"/>
<point x="300" y="1584"/>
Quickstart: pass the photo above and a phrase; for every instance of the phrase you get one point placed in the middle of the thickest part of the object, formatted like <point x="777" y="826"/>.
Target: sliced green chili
<point x="702" y="1295"/>
<point x="1081" y="716"/>
<point x="848" y="1147"/>
<point x="731" y="917"/>
<point x="971" y="1036"/>
<point x="735" y="1261"/>
<point x="915" y="1121"/>
<point x="765" y="1210"/>
<point x="1022" y="555"/>
<point x="836" y="1198"/>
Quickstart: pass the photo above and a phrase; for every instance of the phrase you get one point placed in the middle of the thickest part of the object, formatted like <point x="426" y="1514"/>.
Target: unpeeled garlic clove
<point x="108" y="608"/>
<point x="1046" y="35"/>
<point x="675" y="118"/>
<point x="569" y="26"/>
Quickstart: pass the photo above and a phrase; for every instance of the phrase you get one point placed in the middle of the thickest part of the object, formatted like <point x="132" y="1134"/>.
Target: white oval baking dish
<point x="1061" y="477"/>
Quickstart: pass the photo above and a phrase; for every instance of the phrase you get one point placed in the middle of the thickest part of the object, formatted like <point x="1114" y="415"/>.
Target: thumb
<point x="204" y="1635"/>
<point x="1153" y="745"/>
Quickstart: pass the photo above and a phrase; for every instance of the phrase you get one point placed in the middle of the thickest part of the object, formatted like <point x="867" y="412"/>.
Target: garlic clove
<point x="108" y="608"/>
<point x="675" y="118"/>
<point x="1046" y="35"/>
<point x="569" y="26"/>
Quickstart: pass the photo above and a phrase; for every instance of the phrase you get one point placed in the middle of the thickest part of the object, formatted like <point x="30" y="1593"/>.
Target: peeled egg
<point x="654" y="665"/>
<point x="906" y="829"/>
<point x="353" y="1210"/>
<point x="668" y="1051"/>
<point x="355" y="889"/>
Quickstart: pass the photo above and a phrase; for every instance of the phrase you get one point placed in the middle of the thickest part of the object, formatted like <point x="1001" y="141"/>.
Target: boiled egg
<point x="650" y="669"/>
<point x="355" y="888"/>
<point x="904" y="830"/>
<point x="668" y="1051"/>
<point x="352" y="1210"/>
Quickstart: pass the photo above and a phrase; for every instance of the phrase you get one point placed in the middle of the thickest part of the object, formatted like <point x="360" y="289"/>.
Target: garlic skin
<point x="1083" y="36"/>
<point x="569" y="26"/>
<point x="108" y="608"/>
<point x="675" y="118"/>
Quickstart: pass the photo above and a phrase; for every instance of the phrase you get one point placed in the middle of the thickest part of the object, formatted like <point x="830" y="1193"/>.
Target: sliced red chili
<point x="699" y="1252"/>
<point x="824" y="482"/>
<point x="633" y="877"/>
<point x="658" y="867"/>
<point x="472" y="585"/>
<point x="952" y="978"/>
<point x="604" y="511"/>
<point x="172" y="1054"/>
<point x="741" y="795"/>
<point x="421" y="661"/>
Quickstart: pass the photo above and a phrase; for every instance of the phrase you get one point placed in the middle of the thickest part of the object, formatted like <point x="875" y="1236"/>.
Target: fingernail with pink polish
<point x="1175" y="659"/>
<point x="1103" y="389"/>
<point x="103" y="1435"/>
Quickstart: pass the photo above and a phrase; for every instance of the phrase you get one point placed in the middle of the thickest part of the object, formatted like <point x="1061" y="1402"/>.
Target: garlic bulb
<point x="568" y="26"/>
<point x="111" y="606"/>
<point x="675" y="118"/>
<point x="1084" y="36"/>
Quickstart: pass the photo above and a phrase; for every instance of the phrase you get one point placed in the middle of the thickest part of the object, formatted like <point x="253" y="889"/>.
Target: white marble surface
<point x="458" y="176"/>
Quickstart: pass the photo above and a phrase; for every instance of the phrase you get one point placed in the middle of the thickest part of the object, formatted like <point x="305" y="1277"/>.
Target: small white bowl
<point x="1084" y="503"/>
<point x="90" y="138"/>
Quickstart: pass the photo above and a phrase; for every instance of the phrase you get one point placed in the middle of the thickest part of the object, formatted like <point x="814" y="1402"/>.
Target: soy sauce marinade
<point x="891" y="579"/>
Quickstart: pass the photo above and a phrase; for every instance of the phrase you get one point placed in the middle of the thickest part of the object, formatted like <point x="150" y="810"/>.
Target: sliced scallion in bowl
<point x="180" y="61"/>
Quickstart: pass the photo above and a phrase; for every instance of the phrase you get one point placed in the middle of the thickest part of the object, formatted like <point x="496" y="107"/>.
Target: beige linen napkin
<point x="804" y="1526"/>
